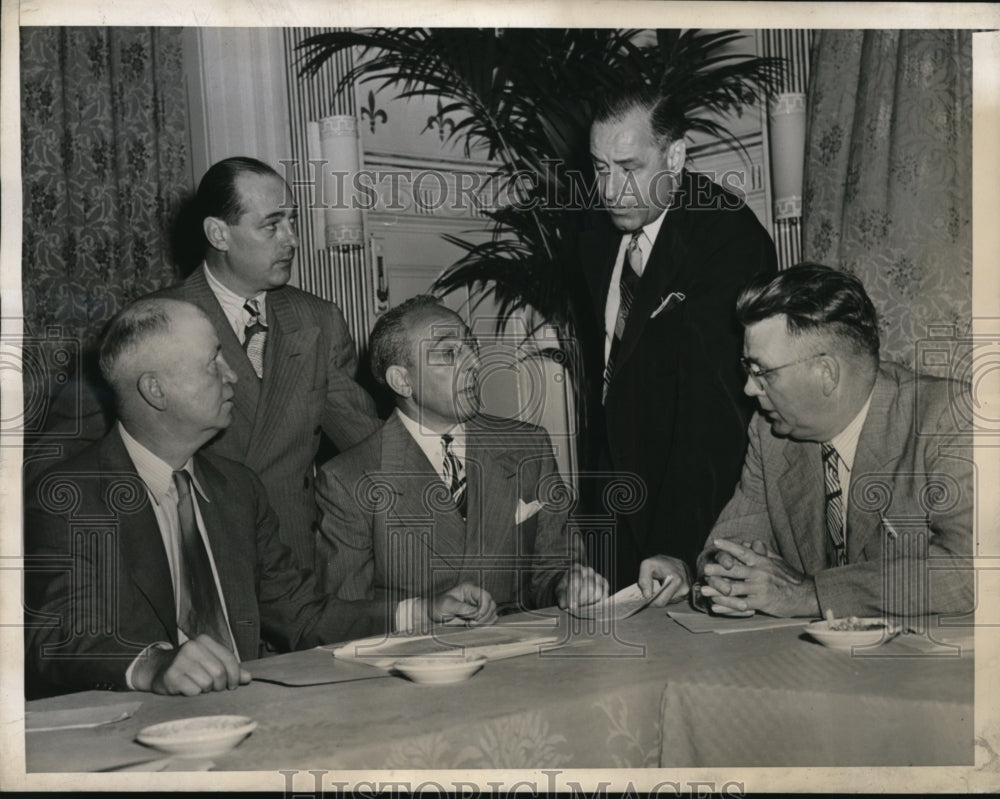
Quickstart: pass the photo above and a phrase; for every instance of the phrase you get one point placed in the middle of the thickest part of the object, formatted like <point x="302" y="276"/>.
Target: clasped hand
<point x="755" y="577"/>
<point x="580" y="585"/>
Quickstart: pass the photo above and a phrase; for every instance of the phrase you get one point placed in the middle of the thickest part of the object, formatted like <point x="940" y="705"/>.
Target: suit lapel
<point x="492" y="486"/>
<point x="881" y="442"/>
<point x="414" y="478"/>
<point x="663" y="273"/>
<point x="287" y="339"/>
<point x="803" y="494"/>
<point x="245" y="401"/>
<point x="139" y="538"/>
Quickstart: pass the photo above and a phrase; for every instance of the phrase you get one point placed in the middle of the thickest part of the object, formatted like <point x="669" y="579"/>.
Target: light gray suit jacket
<point x="910" y="509"/>
<point x="389" y="525"/>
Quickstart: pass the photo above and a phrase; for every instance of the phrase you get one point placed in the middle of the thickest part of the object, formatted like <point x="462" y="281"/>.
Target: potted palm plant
<point x="525" y="97"/>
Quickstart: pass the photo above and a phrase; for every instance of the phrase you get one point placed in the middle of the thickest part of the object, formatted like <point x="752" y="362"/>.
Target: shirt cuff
<point x="128" y="674"/>
<point x="406" y="611"/>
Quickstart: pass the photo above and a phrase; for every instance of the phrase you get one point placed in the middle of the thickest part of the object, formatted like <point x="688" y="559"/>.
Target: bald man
<point x="168" y="568"/>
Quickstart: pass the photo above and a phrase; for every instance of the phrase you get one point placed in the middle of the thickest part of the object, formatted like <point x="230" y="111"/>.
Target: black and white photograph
<point x="462" y="398"/>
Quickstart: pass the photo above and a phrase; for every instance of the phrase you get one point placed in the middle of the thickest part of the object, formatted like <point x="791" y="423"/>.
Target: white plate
<point x="847" y="639"/>
<point x="440" y="670"/>
<point x="201" y="736"/>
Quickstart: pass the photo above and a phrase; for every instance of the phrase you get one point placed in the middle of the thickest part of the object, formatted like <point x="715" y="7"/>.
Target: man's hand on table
<point x="741" y="577"/>
<point x="198" y="666"/>
<point x="465" y="602"/>
<point x="579" y="586"/>
<point x="663" y="577"/>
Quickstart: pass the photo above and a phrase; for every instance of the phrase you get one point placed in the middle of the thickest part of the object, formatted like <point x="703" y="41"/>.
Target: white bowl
<point x="878" y="633"/>
<point x="202" y="736"/>
<point x="440" y="670"/>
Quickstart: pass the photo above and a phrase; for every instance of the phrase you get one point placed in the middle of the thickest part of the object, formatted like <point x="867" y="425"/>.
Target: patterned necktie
<point x="834" y="504"/>
<point x="199" y="606"/>
<point x="255" y="337"/>
<point x="454" y="475"/>
<point x="626" y="290"/>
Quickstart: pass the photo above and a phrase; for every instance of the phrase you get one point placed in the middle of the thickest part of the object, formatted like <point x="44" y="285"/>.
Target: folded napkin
<point x="78" y="718"/>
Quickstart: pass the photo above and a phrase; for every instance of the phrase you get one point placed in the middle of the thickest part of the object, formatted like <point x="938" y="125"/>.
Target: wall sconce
<point x="335" y="140"/>
<point x="788" y="145"/>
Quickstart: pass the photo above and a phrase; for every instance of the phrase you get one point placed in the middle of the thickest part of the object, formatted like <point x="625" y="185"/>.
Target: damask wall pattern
<point x="104" y="139"/>
<point x="888" y="175"/>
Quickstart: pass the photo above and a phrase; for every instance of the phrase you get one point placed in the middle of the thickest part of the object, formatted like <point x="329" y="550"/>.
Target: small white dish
<point x="440" y="670"/>
<point x="876" y="631"/>
<point x="201" y="736"/>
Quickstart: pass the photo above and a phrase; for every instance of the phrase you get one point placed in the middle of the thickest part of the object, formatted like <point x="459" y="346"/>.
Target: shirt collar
<point x="156" y="473"/>
<point x="231" y="302"/>
<point x="430" y="442"/>
<point x="846" y="441"/>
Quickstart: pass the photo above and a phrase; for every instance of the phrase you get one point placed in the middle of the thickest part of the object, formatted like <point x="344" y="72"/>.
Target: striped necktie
<point x="834" y="503"/>
<point x="199" y="607"/>
<point x="627" y="286"/>
<point x="454" y="475"/>
<point x="255" y="337"/>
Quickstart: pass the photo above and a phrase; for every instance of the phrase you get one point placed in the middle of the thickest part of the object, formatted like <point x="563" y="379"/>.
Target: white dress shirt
<point x="645" y="242"/>
<point x="158" y="477"/>
<point x="431" y="444"/>
<point x="846" y="444"/>
<point x="232" y="304"/>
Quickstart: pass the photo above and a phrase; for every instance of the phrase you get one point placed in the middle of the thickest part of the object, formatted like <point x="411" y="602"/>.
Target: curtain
<point x="888" y="175"/>
<point x="105" y="164"/>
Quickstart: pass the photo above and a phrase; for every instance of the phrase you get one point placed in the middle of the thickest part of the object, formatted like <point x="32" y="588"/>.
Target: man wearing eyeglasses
<point x="444" y="493"/>
<point x="856" y="495"/>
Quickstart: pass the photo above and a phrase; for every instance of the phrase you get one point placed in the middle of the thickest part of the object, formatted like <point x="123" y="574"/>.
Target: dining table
<point x="640" y="692"/>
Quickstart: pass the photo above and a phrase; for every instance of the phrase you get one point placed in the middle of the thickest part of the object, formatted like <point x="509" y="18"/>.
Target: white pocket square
<point x="525" y="510"/>
<point x="672" y="299"/>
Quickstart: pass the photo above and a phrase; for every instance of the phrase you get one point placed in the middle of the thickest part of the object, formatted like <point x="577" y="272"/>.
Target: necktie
<point x="199" y="607"/>
<point x="626" y="289"/>
<point x="255" y="337"/>
<point x="834" y="504"/>
<point x="454" y="475"/>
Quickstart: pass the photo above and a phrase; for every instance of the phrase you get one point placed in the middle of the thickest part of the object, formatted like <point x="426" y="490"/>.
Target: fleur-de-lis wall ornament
<point x="374" y="114"/>
<point x="441" y="121"/>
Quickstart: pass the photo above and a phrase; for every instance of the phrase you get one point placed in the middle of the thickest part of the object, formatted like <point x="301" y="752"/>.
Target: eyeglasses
<point x="761" y="376"/>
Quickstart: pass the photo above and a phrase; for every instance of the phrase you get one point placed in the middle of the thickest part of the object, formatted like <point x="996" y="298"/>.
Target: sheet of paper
<point x="314" y="667"/>
<point x="496" y="643"/>
<point x="697" y="622"/>
<point x="625" y="603"/>
<point x="78" y="718"/>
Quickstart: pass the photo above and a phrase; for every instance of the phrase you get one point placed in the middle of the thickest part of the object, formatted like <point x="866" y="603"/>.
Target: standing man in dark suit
<point x="663" y="276"/>
<point x="443" y="493"/>
<point x="291" y="350"/>
<point x="164" y="566"/>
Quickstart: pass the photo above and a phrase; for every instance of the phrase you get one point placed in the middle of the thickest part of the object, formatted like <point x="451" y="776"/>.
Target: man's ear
<point x="217" y="232"/>
<point x="829" y="373"/>
<point x="676" y="155"/>
<point x="398" y="379"/>
<point x="151" y="391"/>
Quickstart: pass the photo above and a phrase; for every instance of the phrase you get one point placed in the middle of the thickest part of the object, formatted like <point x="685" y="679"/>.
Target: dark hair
<point x="814" y="298"/>
<point x="217" y="195"/>
<point x="128" y="329"/>
<point x="666" y="119"/>
<point x="389" y="343"/>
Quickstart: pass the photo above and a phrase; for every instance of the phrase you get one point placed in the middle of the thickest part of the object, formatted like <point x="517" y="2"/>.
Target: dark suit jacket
<point x="308" y="387"/>
<point x="676" y="414"/>
<point x="913" y="468"/>
<point x="98" y="587"/>
<point x="390" y="528"/>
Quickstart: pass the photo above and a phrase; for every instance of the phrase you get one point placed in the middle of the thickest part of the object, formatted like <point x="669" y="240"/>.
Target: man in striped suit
<point x="291" y="351"/>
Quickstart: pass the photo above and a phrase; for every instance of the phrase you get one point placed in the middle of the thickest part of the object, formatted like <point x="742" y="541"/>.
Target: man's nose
<point x="752" y="388"/>
<point x="228" y="375"/>
<point x="291" y="236"/>
<point x="610" y="187"/>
